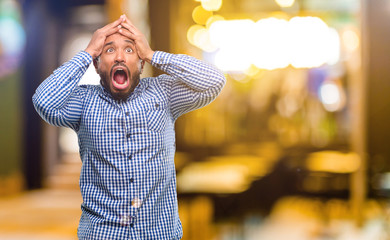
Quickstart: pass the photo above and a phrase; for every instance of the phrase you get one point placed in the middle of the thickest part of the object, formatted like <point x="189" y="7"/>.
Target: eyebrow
<point x="129" y="41"/>
<point x="109" y="43"/>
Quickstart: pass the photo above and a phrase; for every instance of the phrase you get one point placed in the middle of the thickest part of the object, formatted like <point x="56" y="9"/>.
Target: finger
<point x="125" y="32"/>
<point x="130" y="27"/>
<point x="112" y="30"/>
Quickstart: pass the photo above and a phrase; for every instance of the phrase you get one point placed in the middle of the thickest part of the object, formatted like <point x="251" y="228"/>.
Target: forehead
<point x="118" y="38"/>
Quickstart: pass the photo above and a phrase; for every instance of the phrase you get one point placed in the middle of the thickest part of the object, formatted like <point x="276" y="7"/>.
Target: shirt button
<point x="136" y="202"/>
<point x="125" y="220"/>
<point x="128" y="135"/>
<point x="157" y="105"/>
<point x="127" y="113"/>
<point x="131" y="224"/>
<point x="131" y="179"/>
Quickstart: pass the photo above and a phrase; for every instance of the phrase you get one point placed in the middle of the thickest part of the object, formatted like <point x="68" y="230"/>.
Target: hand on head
<point x="125" y="27"/>
<point x="141" y="43"/>
<point x="95" y="46"/>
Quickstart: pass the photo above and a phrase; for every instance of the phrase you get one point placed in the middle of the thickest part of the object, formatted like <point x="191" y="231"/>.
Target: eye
<point x="129" y="50"/>
<point x="110" y="50"/>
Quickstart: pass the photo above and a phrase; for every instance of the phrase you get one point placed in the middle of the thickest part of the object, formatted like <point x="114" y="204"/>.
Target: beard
<point x="105" y="81"/>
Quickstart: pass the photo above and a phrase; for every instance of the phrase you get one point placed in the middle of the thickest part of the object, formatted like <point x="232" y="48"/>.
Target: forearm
<point x="53" y="93"/>
<point x="196" y="74"/>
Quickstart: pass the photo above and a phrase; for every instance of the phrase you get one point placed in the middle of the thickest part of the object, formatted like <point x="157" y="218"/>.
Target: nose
<point x="119" y="57"/>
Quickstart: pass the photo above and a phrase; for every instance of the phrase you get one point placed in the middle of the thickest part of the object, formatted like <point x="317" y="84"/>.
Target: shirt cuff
<point x="82" y="59"/>
<point x="161" y="59"/>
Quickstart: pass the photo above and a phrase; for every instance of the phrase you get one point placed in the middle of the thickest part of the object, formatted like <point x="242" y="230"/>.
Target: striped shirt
<point x="128" y="179"/>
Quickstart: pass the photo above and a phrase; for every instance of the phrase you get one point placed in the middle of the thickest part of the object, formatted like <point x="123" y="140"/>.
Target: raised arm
<point x="58" y="100"/>
<point x="191" y="83"/>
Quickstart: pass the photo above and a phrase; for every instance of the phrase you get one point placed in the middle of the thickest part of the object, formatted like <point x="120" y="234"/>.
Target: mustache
<point x="121" y="65"/>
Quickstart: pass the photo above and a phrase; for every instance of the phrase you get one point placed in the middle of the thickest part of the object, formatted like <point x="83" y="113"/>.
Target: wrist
<point x="91" y="52"/>
<point x="149" y="57"/>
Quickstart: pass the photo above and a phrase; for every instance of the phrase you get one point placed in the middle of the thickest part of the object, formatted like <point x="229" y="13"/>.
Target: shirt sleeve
<point x="58" y="99"/>
<point x="190" y="83"/>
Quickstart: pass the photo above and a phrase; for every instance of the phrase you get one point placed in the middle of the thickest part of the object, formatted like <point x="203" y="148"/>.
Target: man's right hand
<point x="95" y="46"/>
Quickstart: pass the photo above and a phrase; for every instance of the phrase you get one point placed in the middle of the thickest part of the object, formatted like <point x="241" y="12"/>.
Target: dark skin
<point x="119" y="51"/>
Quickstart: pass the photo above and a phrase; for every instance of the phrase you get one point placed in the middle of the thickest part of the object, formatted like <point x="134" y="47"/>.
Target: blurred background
<point x="294" y="148"/>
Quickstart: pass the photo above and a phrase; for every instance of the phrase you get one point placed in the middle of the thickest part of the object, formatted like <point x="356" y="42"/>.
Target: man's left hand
<point x="144" y="51"/>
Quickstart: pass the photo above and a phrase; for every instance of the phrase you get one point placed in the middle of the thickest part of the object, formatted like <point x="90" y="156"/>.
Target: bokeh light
<point x="200" y="15"/>
<point x="192" y="31"/>
<point x="311" y="42"/>
<point x="333" y="161"/>
<point x="285" y="3"/>
<point x="271" y="43"/>
<point x="213" y="19"/>
<point x="350" y="40"/>
<point x="332" y="96"/>
<point x="270" y="49"/>
<point x="212" y="5"/>
<point x="12" y="37"/>
<point x="234" y="49"/>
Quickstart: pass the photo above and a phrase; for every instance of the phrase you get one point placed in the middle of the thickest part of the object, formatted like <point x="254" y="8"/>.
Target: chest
<point x="111" y="124"/>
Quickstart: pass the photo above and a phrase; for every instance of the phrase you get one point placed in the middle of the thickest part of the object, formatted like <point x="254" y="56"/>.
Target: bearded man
<point x="125" y="128"/>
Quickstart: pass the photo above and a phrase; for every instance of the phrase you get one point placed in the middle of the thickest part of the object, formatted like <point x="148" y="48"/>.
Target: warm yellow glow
<point x="191" y="33"/>
<point x="223" y="174"/>
<point x="252" y="71"/>
<point x="270" y="49"/>
<point x="350" y="40"/>
<point x="202" y="40"/>
<point x="333" y="46"/>
<point x="213" y="19"/>
<point x="199" y="36"/>
<point x="234" y="49"/>
<point x="212" y="5"/>
<point x="311" y="42"/>
<point x="332" y="161"/>
<point x="200" y="15"/>
<point x="285" y="3"/>
<point x="303" y="42"/>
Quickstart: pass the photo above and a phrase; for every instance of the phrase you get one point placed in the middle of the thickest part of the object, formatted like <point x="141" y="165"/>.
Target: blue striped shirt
<point x="128" y="179"/>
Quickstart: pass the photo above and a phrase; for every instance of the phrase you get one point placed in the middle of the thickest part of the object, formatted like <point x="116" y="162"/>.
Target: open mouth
<point x="120" y="78"/>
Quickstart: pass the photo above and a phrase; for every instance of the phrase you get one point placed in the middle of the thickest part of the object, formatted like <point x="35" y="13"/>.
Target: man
<point x="125" y="128"/>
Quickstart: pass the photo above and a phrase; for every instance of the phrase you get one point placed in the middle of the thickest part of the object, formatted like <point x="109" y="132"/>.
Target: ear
<point x="141" y="66"/>
<point x="96" y="64"/>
